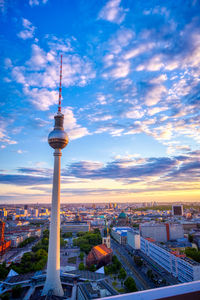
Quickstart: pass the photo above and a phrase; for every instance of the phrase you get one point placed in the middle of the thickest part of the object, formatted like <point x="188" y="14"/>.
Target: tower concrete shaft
<point x="53" y="282"/>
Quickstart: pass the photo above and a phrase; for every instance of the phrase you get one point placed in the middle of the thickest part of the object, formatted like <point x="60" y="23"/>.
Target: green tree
<point x="67" y="235"/>
<point x="122" y="274"/>
<point x="193" y="253"/>
<point x="149" y="273"/>
<point x="92" y="268"/>
<point x="130" y="284"/>
<point x="62" y="242"/>
<point x="81" y="266"/>
<point x="3" y="271"/>
<point x="27" y="241"/>
<point x="138" y="261"/>
<point x="81" y="256"/>
<point x="190" y="238"/>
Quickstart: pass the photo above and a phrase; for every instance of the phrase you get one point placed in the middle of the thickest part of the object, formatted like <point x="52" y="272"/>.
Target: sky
<point x="130" y="96"/>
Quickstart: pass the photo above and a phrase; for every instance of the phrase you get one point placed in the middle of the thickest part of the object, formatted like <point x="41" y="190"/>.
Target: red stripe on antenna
<point x="60" y="87"/>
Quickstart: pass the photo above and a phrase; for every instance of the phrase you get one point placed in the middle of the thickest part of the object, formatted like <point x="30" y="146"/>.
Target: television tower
<point x="58" y="140"/>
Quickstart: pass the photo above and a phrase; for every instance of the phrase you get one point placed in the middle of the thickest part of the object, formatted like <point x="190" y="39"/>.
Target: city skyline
<point x="130" y="100"/>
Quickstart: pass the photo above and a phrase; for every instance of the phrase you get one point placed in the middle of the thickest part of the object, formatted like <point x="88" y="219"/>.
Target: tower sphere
<point x="58" y="138"/>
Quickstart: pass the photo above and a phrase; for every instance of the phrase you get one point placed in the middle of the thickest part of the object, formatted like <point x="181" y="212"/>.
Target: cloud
<point x="39" y="76"/>
<point x="134" y="113"/>
<point x="23" y="180"/>
<point x="122" y="39"/>
<point x="5" y="139"/>
<point x="156" y="110"/>
<point x="112" y="12"/>
<point x="41" y="98"/>
<point x="28" y="30"/>
<point x="137" y="50"/>
<point x="120" y="70"/>
<point x="101" y="99"/>
<point x="73" y="129"/>
<point x="119" y="169"/>
<point x="153" y="64"/>
<point x="154" y="94"/>
<point x="37" y="2"/>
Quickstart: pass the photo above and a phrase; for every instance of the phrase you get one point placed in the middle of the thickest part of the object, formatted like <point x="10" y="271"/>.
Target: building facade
<point x="162" y="232"/>
<point x="133" y="239"/>
<point x="181" y="267"/>
<point x="120" y="234"/>
<point x="177" y="210"/>
<point x="100" y="255"/>
<point x="75" y="227"/>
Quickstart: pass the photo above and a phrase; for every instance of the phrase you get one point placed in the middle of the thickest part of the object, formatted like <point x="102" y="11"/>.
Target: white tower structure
<point x="58" y="140"/>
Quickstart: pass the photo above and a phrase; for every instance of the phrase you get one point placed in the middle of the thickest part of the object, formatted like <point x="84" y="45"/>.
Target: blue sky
<point x="130" y="97"/>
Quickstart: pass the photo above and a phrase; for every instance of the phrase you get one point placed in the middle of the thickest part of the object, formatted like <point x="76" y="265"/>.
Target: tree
<point x="46" y="233"/>
<point x="149" y="273"/>
<point x="193" y="253"/>
<point x="3" y="271"/>
<point x="138" y="261"/>
<point x="81" y="266"/>
<point x="190" y="238"/>
<point x="67" y="235"/>
<point x="92" y="268"/>
<point x="81" y="256"/>
<point x="130" y="284"/>
<point x="122" y="274"/>
<point x="62" y="242"/>
<point x="16" y="291"/>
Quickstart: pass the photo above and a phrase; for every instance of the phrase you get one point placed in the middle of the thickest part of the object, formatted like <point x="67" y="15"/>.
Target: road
<point x="128" y="265"/>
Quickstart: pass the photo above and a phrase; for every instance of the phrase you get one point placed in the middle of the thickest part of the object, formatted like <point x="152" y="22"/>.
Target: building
<point x="75" y="227"/>
<point x="4" y="244"/>
<point x="120" y="234"/>
<point x="99" y="256"/>
<point x="93" y="290"/>
<point x="106" y="236"/>
<point x="180" y="266"/>
<point x="122" y="219"/>
<point x="177" y="210"/>
<point x="3" y="213"/>
<point x="162" y="232"/>
<point x="133" y="239"/>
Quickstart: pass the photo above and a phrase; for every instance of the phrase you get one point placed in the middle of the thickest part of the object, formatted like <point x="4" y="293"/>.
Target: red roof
<point x="101" y="251"/>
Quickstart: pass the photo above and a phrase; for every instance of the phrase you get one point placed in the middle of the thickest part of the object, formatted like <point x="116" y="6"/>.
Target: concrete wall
<point x="133" y="240"/>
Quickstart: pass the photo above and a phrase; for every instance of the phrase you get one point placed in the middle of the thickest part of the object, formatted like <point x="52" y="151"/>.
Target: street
<point x="129" y="267"/>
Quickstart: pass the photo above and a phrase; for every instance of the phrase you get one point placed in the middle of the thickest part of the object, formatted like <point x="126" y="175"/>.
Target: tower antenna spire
<point x="60" y="87"/>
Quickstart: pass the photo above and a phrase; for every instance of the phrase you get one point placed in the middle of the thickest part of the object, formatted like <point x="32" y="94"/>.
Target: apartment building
<point x="180" y="266"/>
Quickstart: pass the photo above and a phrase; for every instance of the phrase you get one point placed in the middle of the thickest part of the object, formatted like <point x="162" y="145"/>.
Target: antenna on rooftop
<point x="60" y="87"/>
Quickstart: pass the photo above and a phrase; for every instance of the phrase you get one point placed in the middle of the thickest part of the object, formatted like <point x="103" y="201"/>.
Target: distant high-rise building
<point x="177" y="210"/>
